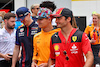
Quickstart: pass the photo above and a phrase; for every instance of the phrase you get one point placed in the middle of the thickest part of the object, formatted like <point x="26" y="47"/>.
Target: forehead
<point x="95" y="16"/>
<point x="11" y="18"/>
<point x="60" y="17"/>
<point x="43" y="19"/>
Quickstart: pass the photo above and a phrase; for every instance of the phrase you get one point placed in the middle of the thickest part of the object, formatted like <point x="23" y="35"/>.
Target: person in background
<point x="24" y="38"/>
<point x="93" y="32"/>
<point x="90" y="21"/>
<point x="50" y="5"/>
<point x="7" y="40"/>
<point x="2" y="13"/>
<point x="0" y="21"/>
<point x="34" y="9"/>
<point x="68" y="45"/>
<point x="74" y="23"/>
<point x="42" y="39"/>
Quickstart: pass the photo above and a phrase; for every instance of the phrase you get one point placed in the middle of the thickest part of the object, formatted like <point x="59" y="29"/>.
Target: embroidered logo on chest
<point x="34" y="30"/>
<point x="56" y="47"/>
<point x="74" y="49"/>
<point x="74" y="38"/>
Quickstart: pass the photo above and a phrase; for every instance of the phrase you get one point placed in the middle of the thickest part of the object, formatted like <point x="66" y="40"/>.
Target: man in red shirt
<point x="68" y="45"/>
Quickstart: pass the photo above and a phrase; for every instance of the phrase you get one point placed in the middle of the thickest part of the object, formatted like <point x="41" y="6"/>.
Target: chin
<point x="59" y="26"/>
<point x="39" y="26"/>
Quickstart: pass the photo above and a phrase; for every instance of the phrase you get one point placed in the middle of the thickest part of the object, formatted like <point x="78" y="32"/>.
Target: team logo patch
<point x="74" y="38"/>
<point x="57" y="53"/>
<point x="74" y="49"/>
<point x="21" y="30"/>
<point x="34" y="28"/>
<point x="20" y="15"/>
<point x="56" y="47"/>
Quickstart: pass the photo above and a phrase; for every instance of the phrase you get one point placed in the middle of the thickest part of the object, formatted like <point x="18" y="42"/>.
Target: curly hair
<point x="48" y="4"/>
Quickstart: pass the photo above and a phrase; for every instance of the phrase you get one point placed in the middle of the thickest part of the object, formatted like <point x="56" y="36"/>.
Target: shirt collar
<point x="6" y="30"/>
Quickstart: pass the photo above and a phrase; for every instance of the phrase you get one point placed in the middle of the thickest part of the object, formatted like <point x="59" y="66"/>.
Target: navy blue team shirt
<point x="24" y="38"/>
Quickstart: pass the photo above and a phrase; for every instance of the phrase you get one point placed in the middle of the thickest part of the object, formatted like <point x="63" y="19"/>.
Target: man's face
<point x="26" y="20"/>
<point x="11" y="23"/>
<point x="43" y="23"/>
<point x="61" y="21"/>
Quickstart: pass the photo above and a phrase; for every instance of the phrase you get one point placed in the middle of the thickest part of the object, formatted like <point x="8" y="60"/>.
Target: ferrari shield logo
<point x="74" y="38"/>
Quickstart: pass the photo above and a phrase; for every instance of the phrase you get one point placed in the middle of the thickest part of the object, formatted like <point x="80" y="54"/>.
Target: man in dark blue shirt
<point x="24" y="38"/>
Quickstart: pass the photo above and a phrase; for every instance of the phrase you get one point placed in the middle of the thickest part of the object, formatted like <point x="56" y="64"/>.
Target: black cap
<point x="63" y="12"/>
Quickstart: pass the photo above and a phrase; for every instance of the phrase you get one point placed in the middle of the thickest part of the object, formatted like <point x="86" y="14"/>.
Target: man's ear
<point x="29" y="14"/>
<point x="69" y="19"/>
<point x="50" y="19"/>
<point x="5" y="20"/>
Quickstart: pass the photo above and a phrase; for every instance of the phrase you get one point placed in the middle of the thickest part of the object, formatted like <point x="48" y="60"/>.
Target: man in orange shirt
<point x="42" y="39"/>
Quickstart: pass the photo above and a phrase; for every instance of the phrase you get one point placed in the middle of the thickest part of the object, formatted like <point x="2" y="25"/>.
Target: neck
<point x="66" y="30"/>
<point x="29" y="23"/>
<point x="48" y="28"/>
<point x="9" y="30"/>
<point x="34" y="15"/>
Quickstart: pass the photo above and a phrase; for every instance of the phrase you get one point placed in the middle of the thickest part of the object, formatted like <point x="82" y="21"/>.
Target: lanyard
<point x="94" y="34"/>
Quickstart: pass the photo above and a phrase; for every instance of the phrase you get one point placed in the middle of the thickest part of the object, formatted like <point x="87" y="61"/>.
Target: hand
<point x="7" y="57"/>
<point x="19" y="57"/>
<point x="43" y="65"/>
<point x="92" y="40"/>
<point x="34" y="64"/>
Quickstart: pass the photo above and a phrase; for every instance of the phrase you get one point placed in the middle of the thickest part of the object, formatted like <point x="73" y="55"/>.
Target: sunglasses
<point x="65" y="53"/>
<point x="36" y="8"/>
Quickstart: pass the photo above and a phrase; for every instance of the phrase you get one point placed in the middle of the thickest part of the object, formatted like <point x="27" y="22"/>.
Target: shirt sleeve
<point x="87" y="30"/>
<point x="86" y="46"/>
<point x="52" y="52"/>
<point x="17" y="39"/>
<point x="35" y="48"/>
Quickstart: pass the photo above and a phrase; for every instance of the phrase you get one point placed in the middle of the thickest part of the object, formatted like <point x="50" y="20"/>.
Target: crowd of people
<point x="45" y="39"/>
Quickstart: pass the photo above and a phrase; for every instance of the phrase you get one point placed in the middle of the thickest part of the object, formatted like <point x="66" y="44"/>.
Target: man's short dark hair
<point x="9" y="15"/>
<point x="48" y="4"/>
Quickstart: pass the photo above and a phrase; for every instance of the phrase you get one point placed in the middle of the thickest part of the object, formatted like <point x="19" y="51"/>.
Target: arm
<point x="92" y="40"/>
<point x="19" y="56"/>
<point x="86" y="48"/>
<point x="15" y="55"/>
<point x="50" y="62"/>
<point x="34" y="62"/>
<point x="89" y="59"/>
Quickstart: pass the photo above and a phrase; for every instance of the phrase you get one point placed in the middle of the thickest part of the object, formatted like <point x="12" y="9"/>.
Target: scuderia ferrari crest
<point x="74" y="38"/>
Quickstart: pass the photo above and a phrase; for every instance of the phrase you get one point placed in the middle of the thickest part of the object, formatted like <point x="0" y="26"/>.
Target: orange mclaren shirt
<point x="89" y="31"/>
<point x="42" y="45"/>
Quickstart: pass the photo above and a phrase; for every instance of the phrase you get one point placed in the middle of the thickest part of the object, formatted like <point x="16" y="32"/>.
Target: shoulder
<point x="1" y="31"/>
<point x="77" y="36"/>
<point x="20" y="28"/>
<point x="55" y="35"/>
<point x="77" y="33"/>
<point x="55" y="38"/>
<point x="89" y="25"/>
<point x="57" y="29"/>
<point x="37" y="35"/>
